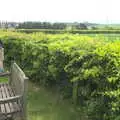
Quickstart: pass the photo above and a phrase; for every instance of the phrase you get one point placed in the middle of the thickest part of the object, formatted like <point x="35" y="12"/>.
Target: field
<point x="84" y="70"/>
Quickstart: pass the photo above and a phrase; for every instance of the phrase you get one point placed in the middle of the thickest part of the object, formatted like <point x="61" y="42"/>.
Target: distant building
<point x="4" y="24"/>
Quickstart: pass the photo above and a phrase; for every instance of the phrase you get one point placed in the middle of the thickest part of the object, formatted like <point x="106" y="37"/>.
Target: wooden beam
<point x="10" y="99"/>
<point x="4" y="74"/>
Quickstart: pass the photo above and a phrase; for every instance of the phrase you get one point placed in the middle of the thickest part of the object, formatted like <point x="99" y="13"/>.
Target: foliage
<point x="61" y="60"/>
<point x="81" y="26"/>
<point x="73" y="31"/>
<point x="41" y="25"/>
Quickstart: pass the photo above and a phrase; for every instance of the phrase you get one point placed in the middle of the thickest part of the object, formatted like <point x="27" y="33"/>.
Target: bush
<point x="84" y="68"/>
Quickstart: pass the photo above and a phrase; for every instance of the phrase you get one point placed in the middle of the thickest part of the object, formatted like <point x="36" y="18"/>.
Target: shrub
<point x="83" y="68"/>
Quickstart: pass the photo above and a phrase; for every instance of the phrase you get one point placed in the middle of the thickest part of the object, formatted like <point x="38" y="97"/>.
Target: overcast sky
<point x="100" y="11"/>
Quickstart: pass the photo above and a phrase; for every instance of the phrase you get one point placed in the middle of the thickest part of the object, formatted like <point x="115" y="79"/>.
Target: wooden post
<point x="1" y="59"/>
<point x="10" y="77"/>
<point x="20" y="84"/>
<point x="75" y="92"/>
<point x="24" y="100"/>
<point x="11" y="72"/>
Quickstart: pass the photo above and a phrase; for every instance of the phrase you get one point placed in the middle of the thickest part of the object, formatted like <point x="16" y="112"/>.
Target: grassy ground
<point x="3" y="79"/>
<point x="44" y="105"/>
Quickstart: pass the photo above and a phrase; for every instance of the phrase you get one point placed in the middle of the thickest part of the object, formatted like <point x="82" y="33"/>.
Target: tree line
<point x="41" y="25"/>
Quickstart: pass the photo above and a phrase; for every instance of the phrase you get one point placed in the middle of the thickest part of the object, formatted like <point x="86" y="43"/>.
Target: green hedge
<point x="56" y="31"/>
<point x="83" y="68"/>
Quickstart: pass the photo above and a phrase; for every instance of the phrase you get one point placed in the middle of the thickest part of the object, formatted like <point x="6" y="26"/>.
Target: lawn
<point x="45" y="105"/>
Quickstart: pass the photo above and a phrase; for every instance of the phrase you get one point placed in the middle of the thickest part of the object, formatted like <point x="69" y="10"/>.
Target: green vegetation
<point x="57" y="31"/>
<point x="41" y="25"/>
<point x="81" y="68"/>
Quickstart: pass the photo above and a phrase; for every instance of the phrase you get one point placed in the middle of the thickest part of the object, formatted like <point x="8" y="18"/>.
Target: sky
<point x="95" y="11"/>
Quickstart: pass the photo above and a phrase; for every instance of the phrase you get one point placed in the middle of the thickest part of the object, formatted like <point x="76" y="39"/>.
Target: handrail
<point x="10" y="99"/>
<point x="4" y="74"/>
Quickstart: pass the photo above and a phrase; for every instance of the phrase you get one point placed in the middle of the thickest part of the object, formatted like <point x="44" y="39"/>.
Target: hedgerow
<point x="85" y="69"/>
<point x="56" y="31"/>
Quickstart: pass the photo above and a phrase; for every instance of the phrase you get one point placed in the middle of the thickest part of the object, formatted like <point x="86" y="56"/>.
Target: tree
<point x="81" y="26"/>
